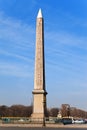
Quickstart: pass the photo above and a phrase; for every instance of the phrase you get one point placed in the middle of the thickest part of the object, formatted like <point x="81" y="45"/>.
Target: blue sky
<point x="65" y="24"/>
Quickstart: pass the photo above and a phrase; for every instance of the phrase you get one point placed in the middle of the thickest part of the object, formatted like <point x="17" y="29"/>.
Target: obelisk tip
<point x="39" y="14"/>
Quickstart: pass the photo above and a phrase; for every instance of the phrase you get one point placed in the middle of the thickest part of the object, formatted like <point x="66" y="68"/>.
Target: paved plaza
<point x="37" y="128"/>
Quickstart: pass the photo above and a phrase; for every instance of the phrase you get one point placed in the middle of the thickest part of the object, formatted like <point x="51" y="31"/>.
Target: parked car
<point x="79" y="121"/>
<point x="21" y="120"/>
<point x="66" y="121"/>
<point x="85" y="121"/>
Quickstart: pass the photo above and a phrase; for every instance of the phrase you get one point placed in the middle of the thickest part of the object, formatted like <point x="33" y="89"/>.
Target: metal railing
<point x="28" y="120"/>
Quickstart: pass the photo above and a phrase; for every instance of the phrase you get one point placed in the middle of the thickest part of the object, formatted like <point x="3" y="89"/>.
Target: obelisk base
<point x="38" y="116"/>
<point x="39" y="105"/>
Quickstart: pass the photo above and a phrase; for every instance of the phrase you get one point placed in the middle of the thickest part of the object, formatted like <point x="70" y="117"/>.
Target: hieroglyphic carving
<point x="39" y="57"/>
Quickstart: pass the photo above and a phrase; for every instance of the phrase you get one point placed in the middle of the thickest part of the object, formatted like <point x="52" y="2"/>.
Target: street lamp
<point x="44" y="105"/>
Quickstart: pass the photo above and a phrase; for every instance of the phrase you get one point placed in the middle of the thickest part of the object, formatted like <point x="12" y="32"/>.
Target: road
<point x="43" y="128"/>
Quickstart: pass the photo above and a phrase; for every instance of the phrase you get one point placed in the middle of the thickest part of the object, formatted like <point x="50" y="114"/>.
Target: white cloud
<point x="16" y="47"/>
<point x="65" y="38"/>
<point x="14" y="55"/>
<point x="16" y="33"/>
<point x="14" y="69"/>
<point x="67" y="50"/>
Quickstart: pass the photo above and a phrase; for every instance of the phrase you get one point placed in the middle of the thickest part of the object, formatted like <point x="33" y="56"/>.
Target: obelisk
<point x="39" y="92"/>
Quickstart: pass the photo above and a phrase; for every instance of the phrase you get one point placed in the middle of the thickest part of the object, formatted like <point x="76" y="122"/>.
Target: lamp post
<point x="44" y="106"/>
<point x="44" y="121"/>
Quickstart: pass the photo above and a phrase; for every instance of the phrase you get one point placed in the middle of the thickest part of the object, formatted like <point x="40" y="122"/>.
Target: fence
<point x="27" y="120"/>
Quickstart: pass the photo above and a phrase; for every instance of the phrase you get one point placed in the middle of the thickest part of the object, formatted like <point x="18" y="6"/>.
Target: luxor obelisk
<point x="39" y="92"/>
